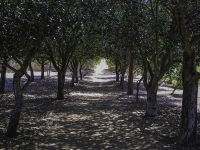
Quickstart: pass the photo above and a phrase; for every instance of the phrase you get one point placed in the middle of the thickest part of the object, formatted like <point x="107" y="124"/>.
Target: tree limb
<point x="28" y="81"/>
<point x="7" y="65"/>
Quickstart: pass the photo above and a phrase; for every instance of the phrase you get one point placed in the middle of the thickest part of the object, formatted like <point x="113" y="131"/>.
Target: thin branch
<point x="28" y="81"/>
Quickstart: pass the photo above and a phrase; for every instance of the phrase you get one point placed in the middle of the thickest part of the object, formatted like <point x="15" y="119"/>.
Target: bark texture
<point x="152" y="101"/>
<point x="188" y="127"/>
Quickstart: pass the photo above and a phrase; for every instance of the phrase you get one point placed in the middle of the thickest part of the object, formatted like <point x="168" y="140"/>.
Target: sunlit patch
<point x="86" y="94"/>
<point x="100" y="67"/>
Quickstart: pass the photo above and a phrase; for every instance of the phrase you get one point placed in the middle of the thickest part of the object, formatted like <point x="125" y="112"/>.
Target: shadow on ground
<point x="95" y="115"/>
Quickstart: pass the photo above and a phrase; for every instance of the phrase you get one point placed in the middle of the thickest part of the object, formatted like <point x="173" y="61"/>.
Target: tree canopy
<point x="158" y="35"/>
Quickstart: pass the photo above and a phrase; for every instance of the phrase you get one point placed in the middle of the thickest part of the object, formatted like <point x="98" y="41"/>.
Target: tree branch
<point x="7" y="65"/>
<point x="28" y="81"/>
<point x="51" y="56"/>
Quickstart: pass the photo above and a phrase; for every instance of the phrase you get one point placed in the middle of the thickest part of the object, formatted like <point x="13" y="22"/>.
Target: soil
<point x="95" y="114"/>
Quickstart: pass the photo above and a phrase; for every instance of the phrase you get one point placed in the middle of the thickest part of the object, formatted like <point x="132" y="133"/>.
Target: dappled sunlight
<point x="95" y="115"/>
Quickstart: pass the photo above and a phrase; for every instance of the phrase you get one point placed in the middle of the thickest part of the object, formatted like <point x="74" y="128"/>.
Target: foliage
<point x="155" y="32"/>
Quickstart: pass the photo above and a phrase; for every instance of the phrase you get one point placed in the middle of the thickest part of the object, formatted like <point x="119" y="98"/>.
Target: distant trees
<point x="43" y="59"/>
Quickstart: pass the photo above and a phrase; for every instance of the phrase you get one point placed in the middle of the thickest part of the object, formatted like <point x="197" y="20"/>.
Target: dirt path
<point x="95" y="115"/>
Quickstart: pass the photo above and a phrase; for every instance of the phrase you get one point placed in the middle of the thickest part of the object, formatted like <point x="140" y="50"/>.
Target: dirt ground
<point x="95" y="114"/>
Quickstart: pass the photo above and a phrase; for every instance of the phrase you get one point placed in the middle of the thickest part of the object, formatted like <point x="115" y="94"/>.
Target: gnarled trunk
<point x="15" y="115"/>
<point x="188" y="127"/>
<point x="3" y="79"/>
<point x="61" y="82"/>
<point x="32" y="73"/>
<point x="42" y="70"/>
<point x="130" y="76"/>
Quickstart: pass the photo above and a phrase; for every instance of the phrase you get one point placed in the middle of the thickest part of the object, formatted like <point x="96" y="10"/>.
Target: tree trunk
<point x="81" y="76"/>
<point x="49" y="70"/>
<point x="151" y="100"/>
<point x="32" y="73"/>
<point x="72" y="81"/>
<point x="122" y="81"/>
<point x="117" y="70"/>
<point x="188" y="127"/>
<point x="130" y="76"/>
<point x="61" y="82"/>
<point x="117" y="76"/>
<point x="42" y="70"/>
<point x="3" y="79"/>
<point x="15" y="115"/>
<point x="76" y="75"/>
<point x="137" y="93"/>
<point x="76" y="71"/>
<point x="173" y="90"/>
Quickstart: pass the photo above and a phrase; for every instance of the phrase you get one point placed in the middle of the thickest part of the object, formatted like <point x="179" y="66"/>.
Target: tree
<point x="68" y="37"/>
<point x="24" y="25"/>
<point x="186" y="15"/>
<point x="60" y="50"/>
<point x="157" y="49"/>
<point x="43" y="59"/>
